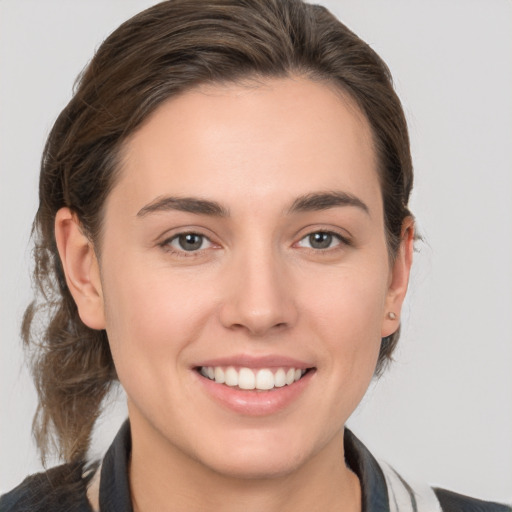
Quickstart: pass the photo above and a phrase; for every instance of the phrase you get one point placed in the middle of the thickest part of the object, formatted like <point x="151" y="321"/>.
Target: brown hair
<point x="169" y="48"/>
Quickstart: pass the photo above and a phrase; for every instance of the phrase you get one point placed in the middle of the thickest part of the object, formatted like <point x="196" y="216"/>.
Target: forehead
<point x="253" y="142"/>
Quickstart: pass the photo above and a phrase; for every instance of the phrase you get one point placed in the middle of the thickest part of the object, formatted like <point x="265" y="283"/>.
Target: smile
<point x="262" y="379"/>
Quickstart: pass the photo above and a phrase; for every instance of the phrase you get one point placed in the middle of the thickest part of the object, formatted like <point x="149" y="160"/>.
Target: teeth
<point x="219" y="375"/>
<point x="247" y="378"/>
<point x="264" y="379"/>
<point x="231" y="377"/>
<point x="280" y="378"/>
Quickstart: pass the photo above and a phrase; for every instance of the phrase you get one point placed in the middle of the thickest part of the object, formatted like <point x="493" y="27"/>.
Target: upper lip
<point x="248" y="361"/>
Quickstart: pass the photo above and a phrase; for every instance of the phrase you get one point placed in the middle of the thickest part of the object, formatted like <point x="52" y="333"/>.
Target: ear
<point x="399" y="279"/>
<point x="81" y="268"/>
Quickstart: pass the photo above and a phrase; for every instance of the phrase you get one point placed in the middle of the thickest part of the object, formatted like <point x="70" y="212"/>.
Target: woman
<point x="224" y="228"/>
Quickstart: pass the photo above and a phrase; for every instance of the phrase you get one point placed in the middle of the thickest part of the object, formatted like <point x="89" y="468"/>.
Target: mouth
<point x="249" y="379"/>
<point x="255" y="386"/>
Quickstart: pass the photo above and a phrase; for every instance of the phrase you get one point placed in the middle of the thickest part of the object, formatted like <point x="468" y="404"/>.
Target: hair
<point x="161" y="52"/>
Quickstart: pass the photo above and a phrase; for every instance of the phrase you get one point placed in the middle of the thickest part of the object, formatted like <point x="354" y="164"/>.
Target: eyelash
<point x="168" y="247"/>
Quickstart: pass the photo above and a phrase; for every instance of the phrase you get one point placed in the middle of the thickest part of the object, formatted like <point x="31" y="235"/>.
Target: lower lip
<point x="253" y="402"/>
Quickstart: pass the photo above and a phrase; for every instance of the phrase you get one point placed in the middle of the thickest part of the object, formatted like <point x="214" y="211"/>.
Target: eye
<point x="188" y="242"/>
<point x="321" y="240"/>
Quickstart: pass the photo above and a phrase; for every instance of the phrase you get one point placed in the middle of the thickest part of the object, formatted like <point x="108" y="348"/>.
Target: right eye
<point x="187" y="242"/>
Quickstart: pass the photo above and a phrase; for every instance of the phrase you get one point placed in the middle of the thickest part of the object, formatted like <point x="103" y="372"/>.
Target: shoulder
<point x="62" y="488"/>
<point x="453" y="502"/>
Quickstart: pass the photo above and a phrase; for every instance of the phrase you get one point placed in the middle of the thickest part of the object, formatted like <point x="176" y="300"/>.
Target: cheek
<point x="348" y="312"/>
<point x="350" y="302"/>
<point x="151" y="315"/>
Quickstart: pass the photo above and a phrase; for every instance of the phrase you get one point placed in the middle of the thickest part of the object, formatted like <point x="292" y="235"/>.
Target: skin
<point x="256" y="286"/>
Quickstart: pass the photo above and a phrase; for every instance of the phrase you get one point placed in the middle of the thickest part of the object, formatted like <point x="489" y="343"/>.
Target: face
<point x="244" y="246"/>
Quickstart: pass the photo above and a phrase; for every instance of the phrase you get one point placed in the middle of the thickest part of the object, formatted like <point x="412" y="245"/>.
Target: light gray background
<point x="443" y="413"/>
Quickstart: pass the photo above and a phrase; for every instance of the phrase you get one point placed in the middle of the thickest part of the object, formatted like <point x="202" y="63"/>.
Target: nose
<point x="259" y="297"/>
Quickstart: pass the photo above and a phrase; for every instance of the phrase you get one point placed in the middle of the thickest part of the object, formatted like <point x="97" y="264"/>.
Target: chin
<point x="256" y="459"/>
<point x="256" y="468"/>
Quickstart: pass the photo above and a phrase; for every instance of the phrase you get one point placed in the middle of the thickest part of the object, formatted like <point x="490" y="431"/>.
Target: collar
<point x="114" y="484"/>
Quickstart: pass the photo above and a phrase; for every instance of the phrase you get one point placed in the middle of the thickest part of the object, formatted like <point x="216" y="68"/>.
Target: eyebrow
<point x="184" y="204"/>
<point x="324" y="200"/>
<point x="315" y="201"/>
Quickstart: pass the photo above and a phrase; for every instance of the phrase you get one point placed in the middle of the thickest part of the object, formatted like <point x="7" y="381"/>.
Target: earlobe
<point x="399" y="279"/>
<point x="81" y="268"/>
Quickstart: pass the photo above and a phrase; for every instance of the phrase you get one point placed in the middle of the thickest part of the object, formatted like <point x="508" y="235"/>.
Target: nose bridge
<point x="259" y="298"/>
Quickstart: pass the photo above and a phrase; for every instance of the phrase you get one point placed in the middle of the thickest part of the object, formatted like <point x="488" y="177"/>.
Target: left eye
<point x="189" y="242"/>
<point x="320" y="240"/>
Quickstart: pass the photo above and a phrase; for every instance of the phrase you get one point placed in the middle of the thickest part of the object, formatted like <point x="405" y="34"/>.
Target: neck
<point x="164" y="478"/>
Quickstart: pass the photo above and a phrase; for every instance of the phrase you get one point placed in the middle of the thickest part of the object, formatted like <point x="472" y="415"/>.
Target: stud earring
<point x="391" y="315"/>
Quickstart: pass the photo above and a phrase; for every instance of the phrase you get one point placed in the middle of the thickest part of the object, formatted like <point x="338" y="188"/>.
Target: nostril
<point x="256" y="329"/>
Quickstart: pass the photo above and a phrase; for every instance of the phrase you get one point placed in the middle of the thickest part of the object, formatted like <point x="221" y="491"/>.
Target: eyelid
<point x="185" y="229"/>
